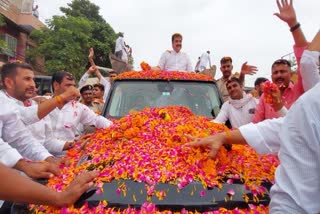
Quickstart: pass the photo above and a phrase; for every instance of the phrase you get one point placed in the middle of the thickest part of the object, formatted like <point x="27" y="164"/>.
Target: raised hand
<point x="286" y="12"/>
<point x="92" y="69"/>
<point x="71" y="93"/>
<point x="248" y="69"/>
<point x="91" y="53"/>
<point x="90" y="57"/>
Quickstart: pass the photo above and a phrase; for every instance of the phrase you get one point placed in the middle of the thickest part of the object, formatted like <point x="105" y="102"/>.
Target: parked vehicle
<point x="43" y="84"/>
<point x="142" y="163"/>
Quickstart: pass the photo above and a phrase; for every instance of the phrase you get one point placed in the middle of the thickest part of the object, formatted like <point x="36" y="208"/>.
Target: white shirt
<point x="40" y="130"/>
<point x="120" y="44"/>
<point x="309" y="65"/>
<point x="204" y="59"/>
<point x="107" y="86"/>
<point x="15" y="139"/>
<point x="297" y="184"/>
<point x="239" y="112"/>
<point x="103" y="81"/>
<point x="296" y="139"/>
<point x="28" y="115"/>
<point x="173" y="61"/>
<point x="65" y="120"/>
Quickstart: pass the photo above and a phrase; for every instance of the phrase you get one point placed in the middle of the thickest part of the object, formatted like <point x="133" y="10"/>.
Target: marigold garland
<point x="268" y="88"/>
<point x="166" y="75"/>
<point x="151" y="140"/>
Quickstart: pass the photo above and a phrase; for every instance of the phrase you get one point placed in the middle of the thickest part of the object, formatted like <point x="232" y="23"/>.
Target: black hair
<point x="281" y="62"/>
<point x="260" y="80"/>
<point x="10" y="70"/>
<point x="234" y="79"/>
<point x="175" y="35"/>
<point x="225" y="59"/>
<point x="99" y="85"/>
<point x="59" y="76"/>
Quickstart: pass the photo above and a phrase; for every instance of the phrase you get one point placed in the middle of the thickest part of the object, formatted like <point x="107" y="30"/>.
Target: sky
<point x="245" y="30"/>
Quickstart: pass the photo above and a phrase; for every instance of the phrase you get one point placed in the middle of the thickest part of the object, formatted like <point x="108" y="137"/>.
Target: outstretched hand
<point x="248" y="69"/>
<point x="76" y="188"/>
<point x="286" y="12"/>
<point x="212" y="142"/>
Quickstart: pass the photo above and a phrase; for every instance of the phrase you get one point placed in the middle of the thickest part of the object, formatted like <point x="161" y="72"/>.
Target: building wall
<point x="19" y="24"/>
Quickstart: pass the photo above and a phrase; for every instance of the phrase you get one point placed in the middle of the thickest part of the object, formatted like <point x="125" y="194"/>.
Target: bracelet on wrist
<point x="295" y="27"/>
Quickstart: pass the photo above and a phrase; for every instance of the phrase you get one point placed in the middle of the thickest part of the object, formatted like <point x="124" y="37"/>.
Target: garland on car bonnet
<point x="147" y="146"/>
<point x="166" y="75"/>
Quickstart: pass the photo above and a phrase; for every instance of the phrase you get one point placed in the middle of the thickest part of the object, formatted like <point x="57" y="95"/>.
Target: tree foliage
<point x="103" y="35"/>
<point x="65" y="43"/>
<point x="2" y="23"/>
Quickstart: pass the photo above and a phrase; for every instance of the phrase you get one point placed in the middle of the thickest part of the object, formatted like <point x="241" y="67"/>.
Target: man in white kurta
<point x="120" y="48"/>
<point x="175" y="60"/>
<point x="204" y="60"/>
<point x="240" y="108"/>
<point x="102" y="80"/>
<point x="15" y="141"/>
<point x="295" y="138"/>
<point x="69" y="116"/>
<point x="19" y="88"/>
<point x="297" y="143"/>
<point x="41" y="130"/>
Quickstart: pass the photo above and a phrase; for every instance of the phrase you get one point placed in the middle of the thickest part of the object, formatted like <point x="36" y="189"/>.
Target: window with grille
<point x="11" y="45"/>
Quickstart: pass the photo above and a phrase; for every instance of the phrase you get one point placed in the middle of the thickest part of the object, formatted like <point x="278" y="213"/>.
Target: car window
<point x="201" y="97"/>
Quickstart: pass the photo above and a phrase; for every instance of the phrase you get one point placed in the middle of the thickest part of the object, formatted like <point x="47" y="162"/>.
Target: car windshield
<point x="201" y="97"/>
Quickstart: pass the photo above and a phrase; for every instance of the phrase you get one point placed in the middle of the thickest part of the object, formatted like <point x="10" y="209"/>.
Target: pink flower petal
<point x="231" y="192"/>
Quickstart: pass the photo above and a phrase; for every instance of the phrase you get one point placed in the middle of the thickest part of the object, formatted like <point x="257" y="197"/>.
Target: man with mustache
<point x="175" y="60"/>
<point x="281" y="72"/>
<point x="226" y="69"/>
<point x="19" y="88"/>
<point x="294" y="138"/>
<point x="70" y="115"/>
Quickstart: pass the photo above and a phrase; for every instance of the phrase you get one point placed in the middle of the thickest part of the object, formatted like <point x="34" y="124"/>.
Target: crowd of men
<point x="35" y="135"/>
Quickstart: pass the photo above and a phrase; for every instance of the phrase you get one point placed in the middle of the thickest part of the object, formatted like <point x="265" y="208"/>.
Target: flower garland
<point x="268" y="89"/>
<point x="152" y="141"/>
<point x="166" y="75"/>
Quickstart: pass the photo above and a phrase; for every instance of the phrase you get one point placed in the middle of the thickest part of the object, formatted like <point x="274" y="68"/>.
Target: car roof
<point x="164" y="75"/>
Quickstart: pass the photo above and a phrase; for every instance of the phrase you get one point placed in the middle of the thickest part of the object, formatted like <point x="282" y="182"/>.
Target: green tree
<point x="64" y="44"/>
<point x="103" y="36"/>
<point x="2" y="23"/>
